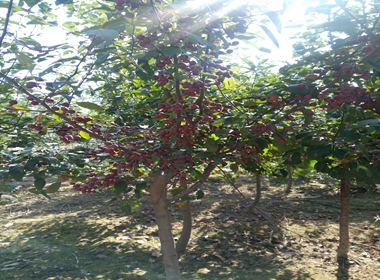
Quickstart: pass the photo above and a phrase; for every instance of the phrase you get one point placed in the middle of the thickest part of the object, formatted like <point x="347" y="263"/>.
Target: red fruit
<point x="289" y="117"/>
<point x="34" y="103"/>
<point x="12" y="102"/>
<point x="31" y="84"/>
<point x="65" y="104"/>
<point x="273" y="97"/>
<point x="160" y="64"/>
<point x="368" y="49"/>
<point x="337" y="75"/>
<point x="140" y="37"/>
<point x="301" y="86"/>
<point x="309" y="114"/>
<point x="365" y="227"/>
<point x="49" y="100"/>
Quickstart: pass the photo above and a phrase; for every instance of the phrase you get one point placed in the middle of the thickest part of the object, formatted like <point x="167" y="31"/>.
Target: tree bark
<point x="158" y="196"/>
<point x="252" y="206"/>
<point x="186" y="223"/>
<point x="290" y="180"/>
<point x="344" y="238"/>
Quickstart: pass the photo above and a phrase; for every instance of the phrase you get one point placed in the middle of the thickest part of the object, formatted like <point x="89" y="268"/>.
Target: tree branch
<point x="48" y="108"/>
<point x="6" y="22"/>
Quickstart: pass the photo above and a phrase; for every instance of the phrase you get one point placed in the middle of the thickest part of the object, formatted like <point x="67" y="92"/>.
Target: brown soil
<point x="76" y="236"/>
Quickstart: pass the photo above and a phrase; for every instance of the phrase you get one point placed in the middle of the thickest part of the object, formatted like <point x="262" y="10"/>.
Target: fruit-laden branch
<point x="6" y="22"/>
<point x="17" y="86"/>
<point x="210" y="167"/>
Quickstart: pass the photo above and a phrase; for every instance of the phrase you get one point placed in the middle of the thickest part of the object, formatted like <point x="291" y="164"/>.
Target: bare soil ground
<point x="75" y="236"/>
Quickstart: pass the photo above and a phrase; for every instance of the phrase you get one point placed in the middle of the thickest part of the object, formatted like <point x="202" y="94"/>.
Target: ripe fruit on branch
<point x="31" y="84"/>
<point x="12" y="102"/>
<point x="272" y="97"/>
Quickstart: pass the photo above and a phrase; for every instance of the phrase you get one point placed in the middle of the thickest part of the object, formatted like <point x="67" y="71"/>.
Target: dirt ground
<point x="75" y="236"/>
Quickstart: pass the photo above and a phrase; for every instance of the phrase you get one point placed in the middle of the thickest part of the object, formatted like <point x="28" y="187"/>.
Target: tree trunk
<point x="186" y="223"/>
<point x="158" y="193"/>
<point x="290" y="180"/>
<point x="252" y="206"/>
<point x="344" y="239"/>
<point x="186" y="228"/>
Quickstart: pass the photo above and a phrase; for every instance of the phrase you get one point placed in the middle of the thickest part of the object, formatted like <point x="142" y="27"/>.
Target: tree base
<point x="343" y="268"/>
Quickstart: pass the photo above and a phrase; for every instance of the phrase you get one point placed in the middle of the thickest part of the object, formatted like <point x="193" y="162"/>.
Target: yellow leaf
<point x="180" y="203"/>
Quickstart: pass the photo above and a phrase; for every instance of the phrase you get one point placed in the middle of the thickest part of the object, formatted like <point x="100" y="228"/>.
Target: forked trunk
<point x="252" y="206"/>
<point x="290" y="180"/>
<point x="186" y="223"/>
<point x="344" y="239"/>
<point x="158" y="193"/>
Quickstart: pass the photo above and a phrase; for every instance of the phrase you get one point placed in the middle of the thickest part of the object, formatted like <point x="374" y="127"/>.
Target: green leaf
<point x="199" y="194"/>
<point x="273" y="16"/>
<point x="39" y="183"/>
<point x="35" y="191"/>
<point x="90" y="106"/>
<point x="296" y="158"/>
<point x="196" y="174"/>
<point x="121" y="187"/>
<point x="176" y="191"/>
<point x="266" y="50"/>
<point x="202" y="41"/>
<point x="24" y="59"/>
<point x="107" y="35"/>
<point x="4" y="188"/>
<point x="84" y="135"/>
<point x="203" y="155"/>
<point x="31" y="163"/>
<point x="32" y="3"/>
<point x="234" y="167"/>
<point x="270" y="35"/>
<point x="17" y="172"/>
<point x="218" y="122"/>
<point x="53" y="187"/>
<point x="172" y="50"/>
<point x="212" y="143"/>
<point x="62" y="2"/>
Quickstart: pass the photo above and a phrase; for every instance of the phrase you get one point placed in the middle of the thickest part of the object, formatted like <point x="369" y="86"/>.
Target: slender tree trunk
<point x="186" y="223"/>
<point x="290" y="180"/>
<point x="158" y="193"/>
<point x="252" y="206"/>
<point x="344" y="238"/>
<point x="186" y="228"/>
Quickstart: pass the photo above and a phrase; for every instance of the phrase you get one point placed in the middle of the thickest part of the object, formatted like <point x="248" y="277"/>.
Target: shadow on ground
<point x="78" y="236"/>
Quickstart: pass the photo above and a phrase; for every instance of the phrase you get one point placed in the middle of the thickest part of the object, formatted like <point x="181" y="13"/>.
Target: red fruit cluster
<point x="122" y="4"/>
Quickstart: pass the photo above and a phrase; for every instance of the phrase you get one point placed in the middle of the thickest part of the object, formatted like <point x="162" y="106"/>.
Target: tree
<point x="149" y="93"/>
<point x="160" y="100"/>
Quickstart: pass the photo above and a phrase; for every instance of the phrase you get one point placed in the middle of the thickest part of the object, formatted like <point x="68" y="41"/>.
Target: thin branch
<point x="6" y="22"/>
<point x="228" y="100"/>
<point x="232" y="183"/>
<point x="177" y="86"/>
